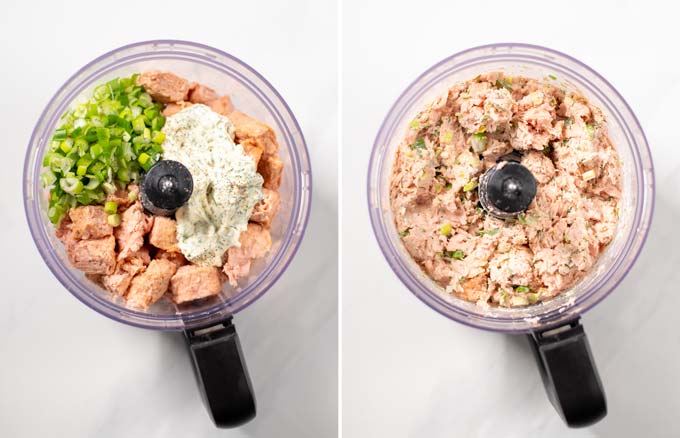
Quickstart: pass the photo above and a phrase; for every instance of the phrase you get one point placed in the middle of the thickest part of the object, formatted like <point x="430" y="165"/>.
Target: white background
<point x="69" y="372"/>
<point x="410" y="372"/>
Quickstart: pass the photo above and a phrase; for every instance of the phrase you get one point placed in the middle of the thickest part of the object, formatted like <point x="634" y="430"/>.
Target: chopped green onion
<point x="48" y="178"/>
<point x="588" y="175"/>
<point x="109" y="188"/>
<point x="92" y="184"/>
<point x="71" y="185"/>
<point x="418" y="144"/>
<point x="113" y="219"/>
<point x="158" y="122"/>
<point x="158" y="137"/>
<point x="124" y="175"/>
<point x="519" y="301"/>
<point x="132" y="196"/>
<point x="533" y="297"/>
<point x="415" y="124"/>
<point x="522" y="289"/>
<point x="503" y="83"/>
<point x="82" y="170"/>
<point x="59" y="134"/>
<point x="66" y="145"/>
<point x="457" y="254"/>
<point x="553" y="77"/>
<point x="144" y="100"/>
<point x="60" y="164"/>
<point x="103" y="136"/>
<point x="445" y="230"/>
<point x="145" y="161"/>
<point x="471" y="185"/>
<point x="138" y="124"/>
<point x="405" y="232"/>
<point x="591" y="130"/>
<point x="478" y="142"/>
<point x="491" y="232"/>
<point x="111" y="207"/>
<point x="151" y="113"/>
<point x="96" y="150"/>
<point x="100" y="92"/>
<point x="97" y="147"/>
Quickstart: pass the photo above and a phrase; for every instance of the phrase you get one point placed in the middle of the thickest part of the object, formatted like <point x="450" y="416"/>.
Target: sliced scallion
<point x="114" y="219"/>
<point x="111" y="207"/>
<point x="97" y="148"/>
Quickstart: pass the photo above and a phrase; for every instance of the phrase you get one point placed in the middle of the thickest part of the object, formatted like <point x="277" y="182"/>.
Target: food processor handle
<point x="222" y="374"/>
<point x="569" y="373"/>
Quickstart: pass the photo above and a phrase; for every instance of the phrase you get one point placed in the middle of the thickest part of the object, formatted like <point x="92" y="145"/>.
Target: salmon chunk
<point x="163" y="86"/>
<point x="251" y="131"/>
<point x="192" y="282"/>
<point x="63" y="231"/>
<point x="202" y="94"/>
<point x="118" y="283"/>
<point x="89" y="222"/>
<point x="149" y="286"/>
<point x="136" y="262"/>
<point x="255" y="242"/>
<point x="474" y="288"/>
<point x="164" y="234"/>
<point x="132" y="229"/>
<point x="221" y="105"/>
<point x="95" y="256"/>
<point x="271" y="169"/>
<point x="265" y="210"/>
<point x="174" y="107"/>
<point x="175" y="257"/>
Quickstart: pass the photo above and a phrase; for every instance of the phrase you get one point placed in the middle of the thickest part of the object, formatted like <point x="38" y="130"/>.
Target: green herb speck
<point x="418" y="144"/>
<point x="491" y="232"/>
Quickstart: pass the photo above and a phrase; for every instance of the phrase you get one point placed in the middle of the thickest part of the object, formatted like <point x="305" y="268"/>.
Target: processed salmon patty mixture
<point x="561" y="138"/>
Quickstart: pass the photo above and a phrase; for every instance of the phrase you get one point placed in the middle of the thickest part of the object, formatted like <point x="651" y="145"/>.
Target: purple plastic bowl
<point x="625" y="131"/>
<point x="250" y="93"/>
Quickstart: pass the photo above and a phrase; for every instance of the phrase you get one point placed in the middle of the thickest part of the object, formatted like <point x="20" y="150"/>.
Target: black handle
<point x="569" y="373"/>
<point x="222" y="374"/>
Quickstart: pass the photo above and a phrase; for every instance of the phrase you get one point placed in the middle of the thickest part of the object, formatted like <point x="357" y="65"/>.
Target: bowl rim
<point x="390" y="253"/>
<point x="224" y="309"/>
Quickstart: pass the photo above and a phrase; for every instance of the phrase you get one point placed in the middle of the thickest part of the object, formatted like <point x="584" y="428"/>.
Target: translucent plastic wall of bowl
<point x="251" y="94"/>
<point x="626" y="134"/>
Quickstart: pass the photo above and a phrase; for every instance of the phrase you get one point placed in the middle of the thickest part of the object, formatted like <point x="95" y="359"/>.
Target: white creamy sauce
<point x="226" y="183"/>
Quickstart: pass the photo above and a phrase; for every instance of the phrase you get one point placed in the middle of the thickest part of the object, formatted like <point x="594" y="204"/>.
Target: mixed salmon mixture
<point x="561" y="138"/>
<point x="126" y="250"/>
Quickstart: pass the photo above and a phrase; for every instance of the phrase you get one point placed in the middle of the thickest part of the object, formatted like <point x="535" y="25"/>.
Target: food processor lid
<point x="166" y="187"/>
<point x="506" y="189"/>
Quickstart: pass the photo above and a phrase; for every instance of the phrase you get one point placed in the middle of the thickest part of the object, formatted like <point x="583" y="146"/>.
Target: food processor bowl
<point x="636" y="205"/>
<point x="251" y="94"/>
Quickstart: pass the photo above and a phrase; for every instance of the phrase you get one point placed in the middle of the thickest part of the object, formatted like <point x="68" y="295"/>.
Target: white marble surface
<point x="409" y="372"/>
<point x="67" y="371"/>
